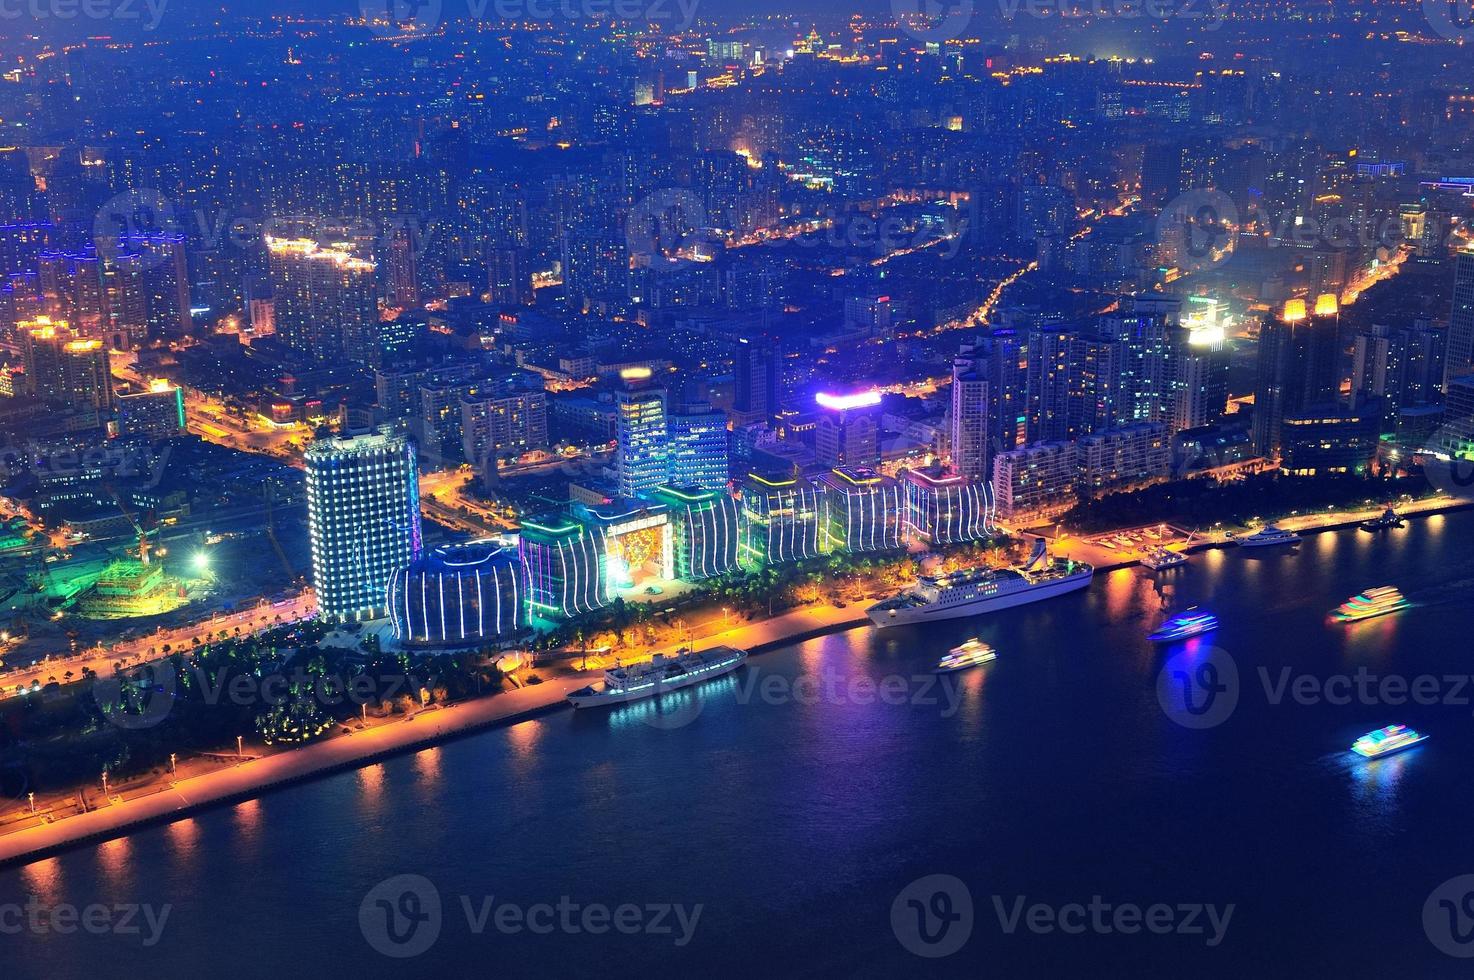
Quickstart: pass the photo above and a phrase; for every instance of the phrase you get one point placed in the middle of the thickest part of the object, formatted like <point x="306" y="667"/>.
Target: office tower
<point x="707" y="530"/>
<point x="566" y="565"/>
<point x="782" y="519"/>
<point x="1298" y="366"/>
<point x="363" y="520"/>
<point x="510" y="421"/>
<point x="642" y="460"/>
<point x="1146" y="376"/>
<point x="72" y="285"/>
<point x="1200" y="370"/>
<point x="402" y="275"/>
<point x="864" y="511"/>
<point x="157" y="412"/>
<point x="1097" y="395"/>
<point x="1400" y="367"/>
<point x="509" y="277"/>
<point x="166" y="281"/>
<point x="948" y="509"/>
<point x="1049" y="366"/>
<point x="64" y="368"/>
<point x="326" y="304"/>
<point x="1460" y="356"/>
<point x="699" y="455"/>
<point x="759" y="373"/>
<point x="126" y="293"/>
<point x="970" y="428"/>
<point x="1008" y="390"/>
<point x="848" y="431"/>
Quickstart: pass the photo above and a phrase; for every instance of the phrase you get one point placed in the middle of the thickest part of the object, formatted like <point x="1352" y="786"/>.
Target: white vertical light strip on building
<point x="440" y="586"/>
<point x="496" y="585"/>
<point x="425" y="605"/>
<point x="563" y="564"/>
<point x="461" y="604"/>
<point x="481" y="606"/>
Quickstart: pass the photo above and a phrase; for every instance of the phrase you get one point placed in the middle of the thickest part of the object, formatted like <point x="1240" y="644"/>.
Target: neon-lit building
<point x="948" y="509"/>
<point x="707" y="531"/>
<point x="363" y="520"/>
<point x="782" y="519"/>
<point x="698" y="448"/>
<point x="638" y="542"/>
<point x="643" y="458"/>
<point x="458" y="596"/>
<point x="563" y="564"/>
<point x="864" y="511"/>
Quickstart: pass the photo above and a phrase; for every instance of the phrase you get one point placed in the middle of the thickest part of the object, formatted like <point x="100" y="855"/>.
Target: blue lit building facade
<point x="707" y="531"/>
<point x="864" y="511"/>
<point x="782" y="520"/>
<point x="944" y="510"/>
<point x="563" y="562"/>
<point x="363" y="520"/>
<point x="698" y="448"/>
<point x="458" y="597"/>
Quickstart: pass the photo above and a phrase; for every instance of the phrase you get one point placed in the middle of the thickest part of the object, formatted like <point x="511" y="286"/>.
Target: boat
<point x="979" y="591"/>
<point x="1160" y="558"/>
<point x="1390" y="519"/>
<point x="663" y="673"/>
<point x="973" y="653"/>
<point x="1386" y="741"/>
<point x="1185" y="626"/>
<point x="1370" y="604"/>
<point x="1268" y="537"/>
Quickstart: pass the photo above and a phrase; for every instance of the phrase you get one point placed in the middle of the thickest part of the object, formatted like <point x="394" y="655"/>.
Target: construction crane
<point x="144" y="545"/>
<point x="281" y="554"/>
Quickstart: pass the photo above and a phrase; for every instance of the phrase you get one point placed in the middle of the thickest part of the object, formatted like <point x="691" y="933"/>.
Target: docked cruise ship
<point x="982" y="590"/>
<point x="663" y="673"/>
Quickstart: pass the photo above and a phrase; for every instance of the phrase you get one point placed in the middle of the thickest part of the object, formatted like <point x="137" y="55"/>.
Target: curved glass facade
<point x="456" y="596"/>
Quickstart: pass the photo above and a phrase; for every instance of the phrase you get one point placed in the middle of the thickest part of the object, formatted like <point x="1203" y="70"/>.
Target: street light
<point x="239" y="747"/>
<point x="173" y="764"/>
<point x="104" y="783"/>
<point x="31" y="798"/>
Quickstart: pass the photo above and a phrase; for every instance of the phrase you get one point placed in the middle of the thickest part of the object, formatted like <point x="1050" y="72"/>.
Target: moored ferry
<point x="1390" y="519"/>
<point x="1268" y="537"/>
<point x="1386" y="741"/>
<point x="663" y="673"/>
<point x="1370" y="604"/>
<point x="1159" y="559"/>
<point x="981" y="590"/>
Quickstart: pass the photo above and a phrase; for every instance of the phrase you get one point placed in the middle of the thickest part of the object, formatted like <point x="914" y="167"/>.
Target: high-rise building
<point x="699" y="455"/>
<point x="848" y="432"/>
<point x="970" y="426"/>
<point x="64" y="368"/>
<point x="363" y="520"/>
<point x="1460" y="358"/>
<point x="642" y="460"/>
<point x="326" y="304"/>
<point x="1398" y="367"/>
<point x="1298" y="368"/>
<point x="157" y="412"/>
<point x="759" y="370"/>
<point x="510" y="420"/>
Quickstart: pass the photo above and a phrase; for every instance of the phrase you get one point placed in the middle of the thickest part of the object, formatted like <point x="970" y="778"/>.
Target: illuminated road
<point x="446" y="498"/>
<point x="151" y="646"/>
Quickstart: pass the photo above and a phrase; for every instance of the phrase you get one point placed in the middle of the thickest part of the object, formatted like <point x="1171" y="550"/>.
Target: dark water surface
<point x="795" y="815"/>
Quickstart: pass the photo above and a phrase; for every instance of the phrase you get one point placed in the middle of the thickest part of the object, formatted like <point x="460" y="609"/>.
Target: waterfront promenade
<point x="33" y="840"/>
